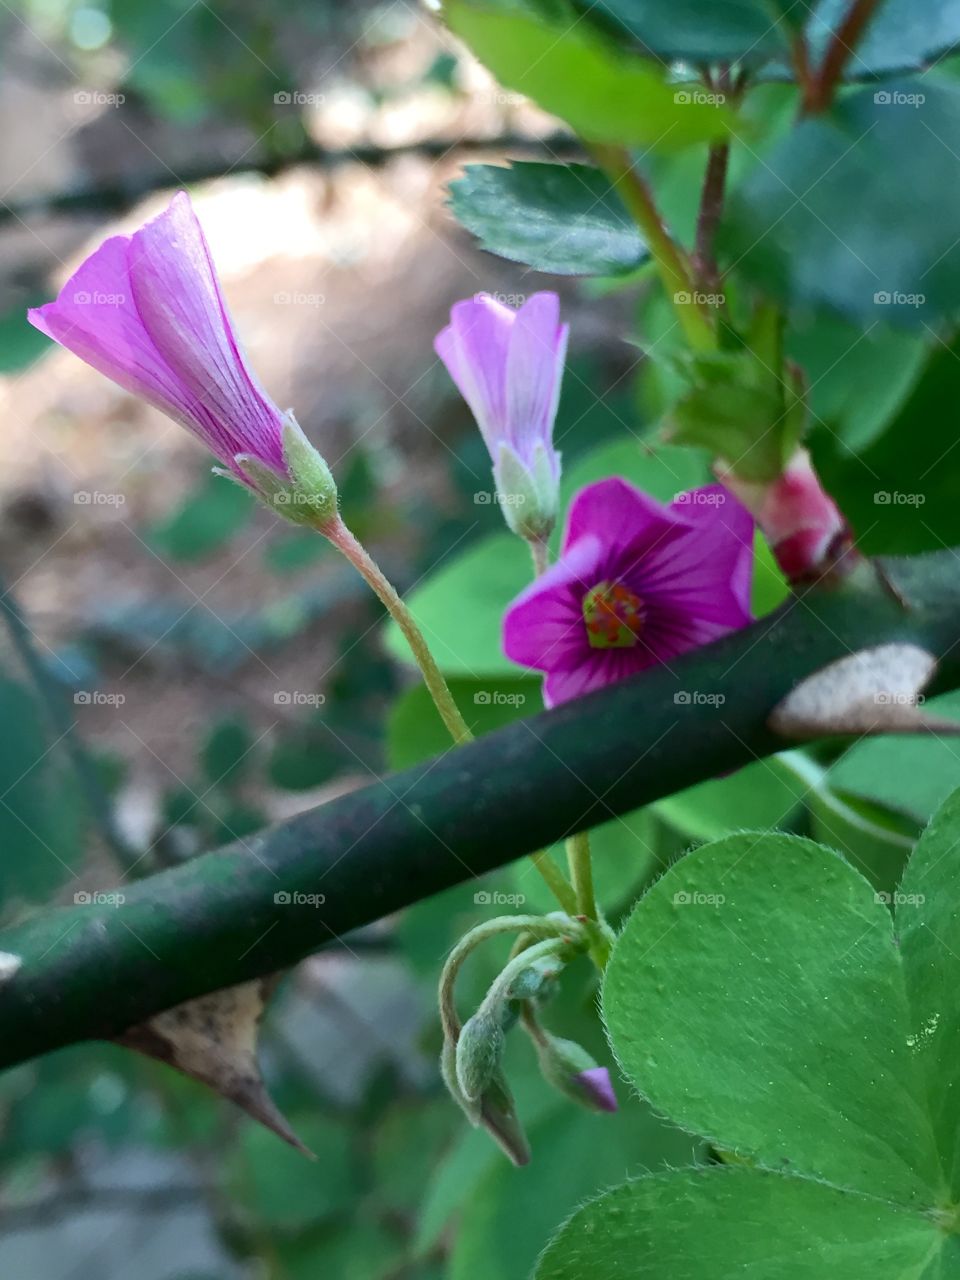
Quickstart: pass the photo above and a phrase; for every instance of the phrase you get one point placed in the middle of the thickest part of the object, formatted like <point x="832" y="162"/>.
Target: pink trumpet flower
<point x="508" y="366"/>
<point x="147" y="311"/>
<point x="636" y="584"/>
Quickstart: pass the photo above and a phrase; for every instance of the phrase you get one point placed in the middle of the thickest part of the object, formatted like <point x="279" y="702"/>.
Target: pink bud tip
<point x="596" y="1084"/>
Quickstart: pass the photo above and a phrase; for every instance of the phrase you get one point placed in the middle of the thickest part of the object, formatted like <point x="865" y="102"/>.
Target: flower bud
<point x="528" y="492"/>
<point x="806" y="531"/>
<point x="498" y="1115"/>
<point x="307" y="493"/>
<point x="569" y="1068"/>
<point x="478" y="1051"/>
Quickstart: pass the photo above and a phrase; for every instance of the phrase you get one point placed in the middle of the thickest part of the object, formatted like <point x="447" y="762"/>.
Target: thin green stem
<point x="342" y="538"/>
<point x="540" y="554"/>
<point x="564" y="946"/>
<point x="581" y="874"/>
<point x="555" y="880"/>
<point x="536" y="926"/>
<point x="670" y="261"/>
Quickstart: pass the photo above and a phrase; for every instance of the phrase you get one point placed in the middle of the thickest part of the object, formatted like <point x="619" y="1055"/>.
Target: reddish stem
<point x="819" y="90"/>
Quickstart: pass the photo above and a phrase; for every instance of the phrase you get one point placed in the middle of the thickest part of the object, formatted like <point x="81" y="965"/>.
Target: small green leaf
<point x="415" y="731"/>
<point x="570" y="71"/>
<point x="567" y="219"/>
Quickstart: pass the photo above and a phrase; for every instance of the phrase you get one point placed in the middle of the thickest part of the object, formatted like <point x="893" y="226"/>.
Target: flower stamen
<point x="614" y="616"/>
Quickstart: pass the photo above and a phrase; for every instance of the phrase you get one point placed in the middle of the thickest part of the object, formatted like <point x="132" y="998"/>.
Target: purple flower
<point x="147" y="310"/>
<point x="636" y="584"/>
<point x="508" y="366"/>
<point x="597" y="1088"/>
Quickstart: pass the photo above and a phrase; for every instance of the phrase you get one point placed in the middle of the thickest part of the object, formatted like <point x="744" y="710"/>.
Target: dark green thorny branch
<point x="229" y="916"/>
<point x="123" y="194"/>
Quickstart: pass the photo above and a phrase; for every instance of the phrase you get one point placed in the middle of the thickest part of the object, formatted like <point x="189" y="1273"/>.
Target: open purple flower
<point x="147" y="310"/>
<point x="508" y="366"/>
<point x="637" y="583"/>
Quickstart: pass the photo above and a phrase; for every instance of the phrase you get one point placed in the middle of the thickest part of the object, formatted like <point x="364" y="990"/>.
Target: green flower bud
<point x="479" y="1050"/>
<point x="568" y="1067"/>
<point x="308" y="492"/>
<point x="528" y="493"/>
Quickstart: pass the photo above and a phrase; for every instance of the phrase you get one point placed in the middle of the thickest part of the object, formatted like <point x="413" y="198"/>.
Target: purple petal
<point x="594" y="669"/>
<point x="178" y="296"/>
<point x="544" y="625"/>
<point x="621" y="517"/>
<point x="534" y="369"/>
<point x="474" y="349"/>
<point x="96" y="318"/>
<point x="596" y="1084"/>
<point x="147" y="312"/>
<point x="698" y="587"/>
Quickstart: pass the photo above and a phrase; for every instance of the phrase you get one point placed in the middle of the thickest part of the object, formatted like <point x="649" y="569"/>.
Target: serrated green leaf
<point x="567" y="219"/>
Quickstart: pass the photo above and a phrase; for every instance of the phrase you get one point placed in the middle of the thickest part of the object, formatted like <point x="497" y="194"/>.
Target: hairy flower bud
<point x="568" y="1067"/>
